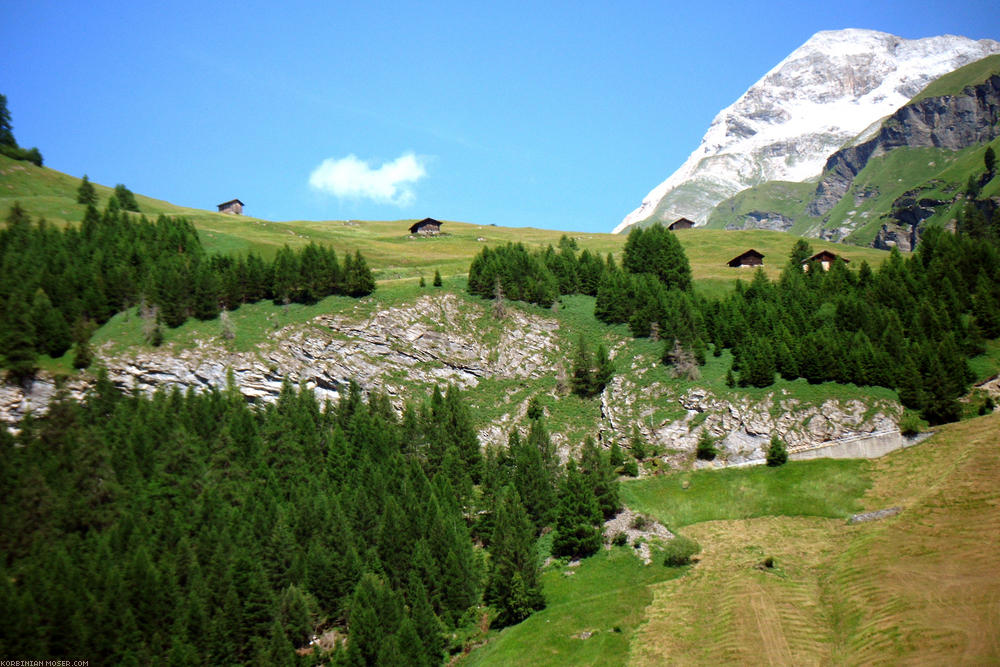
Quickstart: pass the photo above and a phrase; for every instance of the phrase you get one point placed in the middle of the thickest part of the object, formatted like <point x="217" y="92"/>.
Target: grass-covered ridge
<point x="386" y="245"/>
<point x="955" y="82"/>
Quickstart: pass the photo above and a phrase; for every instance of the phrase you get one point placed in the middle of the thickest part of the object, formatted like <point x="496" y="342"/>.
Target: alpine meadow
<point x="757" y="425"/>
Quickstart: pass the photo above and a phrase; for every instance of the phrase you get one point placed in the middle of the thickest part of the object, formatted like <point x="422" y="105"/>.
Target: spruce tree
<point x="582" y="381"/>
<point x="777" y="455"/>
<point x="513" y="587"/>
<point x="578" y="519"/>
<point x="86" y="194"/>
<point x="437" y="278"/>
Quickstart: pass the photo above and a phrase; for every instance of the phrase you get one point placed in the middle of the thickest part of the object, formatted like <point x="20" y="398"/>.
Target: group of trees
<point x="8" y="144"/>
<point x="198" y="528"/>
<point x="536" y="277"/>
<point x="57" y="284"/>
<point x="910" y="325"/>
<point x="525" y="491"/>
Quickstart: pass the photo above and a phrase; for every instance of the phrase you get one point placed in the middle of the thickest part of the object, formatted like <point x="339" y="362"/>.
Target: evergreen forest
<point x="909" y="325"/>
<point x="57" y="285"/>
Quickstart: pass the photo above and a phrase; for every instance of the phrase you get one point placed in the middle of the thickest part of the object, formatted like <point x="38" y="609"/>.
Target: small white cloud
<point x="352" y="178"/>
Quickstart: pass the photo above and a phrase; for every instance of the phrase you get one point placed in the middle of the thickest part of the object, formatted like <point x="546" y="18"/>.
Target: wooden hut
<point x="825" y="258"/>
<point x="233" y="207"/>
<point x="680" y="223"/>
<point x="748" y="258"/>
<point x="426" y="227"/>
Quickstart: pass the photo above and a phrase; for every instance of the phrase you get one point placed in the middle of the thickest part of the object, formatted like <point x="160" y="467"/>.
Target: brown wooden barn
<point x="426" y="227"/>
<point x="825" y="259"/>
<point x="680" y="223"/>
<point x="748" y="258"/>
<point x="233" y="206"/>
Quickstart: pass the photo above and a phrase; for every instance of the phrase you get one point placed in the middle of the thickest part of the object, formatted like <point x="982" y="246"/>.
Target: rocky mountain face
<point x="825" y="93"/>
<point x="445" y="339"/>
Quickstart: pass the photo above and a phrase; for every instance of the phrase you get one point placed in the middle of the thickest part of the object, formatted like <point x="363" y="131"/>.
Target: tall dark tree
<point x="86" y="194"/>
<point x="578" y="519"/>
<point x="513" y="587"/>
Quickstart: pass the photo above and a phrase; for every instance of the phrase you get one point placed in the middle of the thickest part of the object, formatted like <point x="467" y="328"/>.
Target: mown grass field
<point x="823" y="487"/>
<point x="921" y="587"/>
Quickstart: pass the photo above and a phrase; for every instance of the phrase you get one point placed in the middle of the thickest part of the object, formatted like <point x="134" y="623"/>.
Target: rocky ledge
<point x="434" y="340"/>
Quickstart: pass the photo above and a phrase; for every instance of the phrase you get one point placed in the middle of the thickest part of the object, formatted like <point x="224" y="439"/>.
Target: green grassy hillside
<point x="920" y="587"/>
<point x="955" y="82"/>
<point x="387" y="245"/>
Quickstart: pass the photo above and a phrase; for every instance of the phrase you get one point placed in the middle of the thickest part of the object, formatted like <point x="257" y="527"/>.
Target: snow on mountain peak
<point x="785" y="126"/>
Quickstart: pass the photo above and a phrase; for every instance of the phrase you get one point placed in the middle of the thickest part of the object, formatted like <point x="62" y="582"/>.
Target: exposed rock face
<point x="763" y="220"/>
<point x="952" y="122"/>
<point x="742" y="426"/>
<point x="786" y="125"/>
<point x="430" y="341"/>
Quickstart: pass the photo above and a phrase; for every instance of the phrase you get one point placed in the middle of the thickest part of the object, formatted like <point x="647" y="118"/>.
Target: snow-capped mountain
<point x="828" y="91"/>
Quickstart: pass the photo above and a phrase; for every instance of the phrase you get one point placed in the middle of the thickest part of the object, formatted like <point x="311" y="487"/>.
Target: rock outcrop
<point x="741" y="425"/>
<point x="435" y="340"/>
<point x="951" y="121"/>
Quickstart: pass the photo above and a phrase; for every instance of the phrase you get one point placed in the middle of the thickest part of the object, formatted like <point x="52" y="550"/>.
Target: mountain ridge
<point x="784" y="127"/>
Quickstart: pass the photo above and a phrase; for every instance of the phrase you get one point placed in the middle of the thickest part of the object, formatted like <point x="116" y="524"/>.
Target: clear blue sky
<point x="558" y="115"/>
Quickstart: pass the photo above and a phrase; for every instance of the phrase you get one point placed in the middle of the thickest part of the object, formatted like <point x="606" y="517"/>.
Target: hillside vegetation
<point x="387" y="246"/>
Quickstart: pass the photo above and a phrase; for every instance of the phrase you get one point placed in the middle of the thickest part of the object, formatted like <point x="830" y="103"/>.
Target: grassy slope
<point x="955" y="82"/>
<point x="782" y="196"/>
<point x="919" y="587"/>
<point x="386" y="244"/>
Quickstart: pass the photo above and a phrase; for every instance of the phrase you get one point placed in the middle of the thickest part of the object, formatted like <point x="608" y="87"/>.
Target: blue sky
<point x="560" y="115"/>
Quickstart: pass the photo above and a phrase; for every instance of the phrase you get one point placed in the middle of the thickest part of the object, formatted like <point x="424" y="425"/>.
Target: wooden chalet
<point x="426" y="227"/>
<point x="233" y="207"/>
<point x="680" y="223"/>
<point x="748" y="258"/>
<point x="825" y="258"/>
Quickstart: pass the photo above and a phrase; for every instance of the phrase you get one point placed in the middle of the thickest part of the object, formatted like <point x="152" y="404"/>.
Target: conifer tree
<point x="600" y="475"/>
<point x="437" y="278"/>
<point x="777" y="455"/>
<point x="513" y="587"/>
<point x="18" y="343"/>
<point x="582" y="380"/>
<point x="578" y="518"/>
<point x="86" y="194"/>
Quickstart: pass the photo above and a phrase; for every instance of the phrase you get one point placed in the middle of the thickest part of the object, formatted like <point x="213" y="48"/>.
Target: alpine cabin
<point x="749" y="258"/>
<point x="825" y="258"/>
<point x="233" y="207"/>
<point x="426" y="227"/>
<point x="680" y="223"/>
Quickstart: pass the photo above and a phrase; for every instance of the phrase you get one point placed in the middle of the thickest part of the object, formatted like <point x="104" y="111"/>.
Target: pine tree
<point x="777" y="455"/>
<point x="600" y="475"/>
<point x="582" y="381"/>
<point x="437" y="278"/>
<point x="990" y="161"/>
<point x="18" y="343"/>
<point x="86" y="194"/>
<point x="578" y="519"/>
<point x="513" y="587"/>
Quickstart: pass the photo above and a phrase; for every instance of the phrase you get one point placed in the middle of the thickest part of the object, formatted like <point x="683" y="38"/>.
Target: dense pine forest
<point x="57" y="285"/>
<point x="195" y="528"/>
<point x="910" y="325"/>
